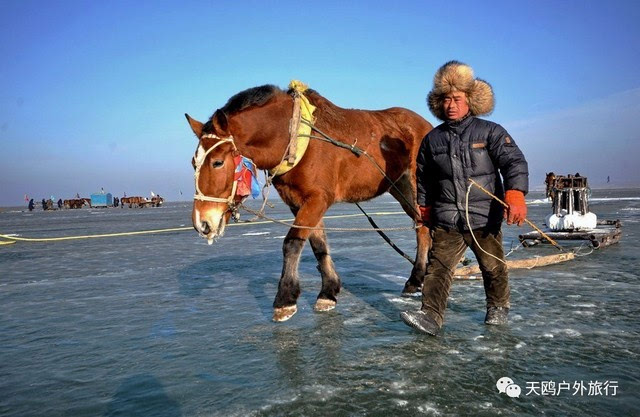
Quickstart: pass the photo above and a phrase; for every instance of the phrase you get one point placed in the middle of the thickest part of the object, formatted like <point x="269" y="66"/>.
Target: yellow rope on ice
<point x="56" y="239"/>
<point x="12" y="239"/>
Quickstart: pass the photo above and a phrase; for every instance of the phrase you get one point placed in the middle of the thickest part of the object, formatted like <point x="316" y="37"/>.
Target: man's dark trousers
<point x="448" y="247"/>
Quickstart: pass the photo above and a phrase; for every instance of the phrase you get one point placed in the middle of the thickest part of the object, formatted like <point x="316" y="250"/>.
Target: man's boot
<point x="496" y="315"/>
<point x="420" y="321"/>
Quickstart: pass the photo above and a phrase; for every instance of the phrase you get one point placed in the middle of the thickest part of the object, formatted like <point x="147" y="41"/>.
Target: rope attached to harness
<point x="358" y="152"/>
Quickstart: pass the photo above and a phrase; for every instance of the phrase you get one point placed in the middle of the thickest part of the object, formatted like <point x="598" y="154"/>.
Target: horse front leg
<point x="307" y="217"/>
<point x="330" y="279"/>
<point x="284" y="306"/>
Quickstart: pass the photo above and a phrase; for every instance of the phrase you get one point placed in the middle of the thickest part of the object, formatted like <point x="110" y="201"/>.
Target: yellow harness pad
<point x="302" y="138"/>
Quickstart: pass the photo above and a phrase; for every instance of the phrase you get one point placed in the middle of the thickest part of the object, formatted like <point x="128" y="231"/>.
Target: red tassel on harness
<point x="244" y="176"/>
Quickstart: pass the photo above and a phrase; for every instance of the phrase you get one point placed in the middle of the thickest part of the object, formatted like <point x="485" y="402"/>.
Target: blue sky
<point x="93" y="93"/>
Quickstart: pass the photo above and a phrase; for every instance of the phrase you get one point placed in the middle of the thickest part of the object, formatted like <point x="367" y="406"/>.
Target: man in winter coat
<point x="462" y="148"/>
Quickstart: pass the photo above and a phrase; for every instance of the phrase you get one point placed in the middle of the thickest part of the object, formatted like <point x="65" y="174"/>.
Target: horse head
<point x="214" y="166"/>
<point x="256" y="122"/>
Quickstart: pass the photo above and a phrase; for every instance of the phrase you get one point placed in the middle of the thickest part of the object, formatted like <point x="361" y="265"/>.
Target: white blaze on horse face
<point x="200" y="155"/>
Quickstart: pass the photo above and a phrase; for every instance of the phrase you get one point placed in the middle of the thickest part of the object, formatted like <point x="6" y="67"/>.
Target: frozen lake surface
<point x="165" y="325"/>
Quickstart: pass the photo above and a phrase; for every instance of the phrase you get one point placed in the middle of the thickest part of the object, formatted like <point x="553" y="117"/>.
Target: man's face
<point x="455" y="105"/>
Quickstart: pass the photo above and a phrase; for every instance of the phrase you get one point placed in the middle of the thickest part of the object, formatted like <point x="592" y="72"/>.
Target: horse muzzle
<point x="210" y="223"/>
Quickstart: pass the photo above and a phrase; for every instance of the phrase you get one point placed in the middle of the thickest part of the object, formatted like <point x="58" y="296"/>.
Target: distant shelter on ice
<point x="101" y="199"/>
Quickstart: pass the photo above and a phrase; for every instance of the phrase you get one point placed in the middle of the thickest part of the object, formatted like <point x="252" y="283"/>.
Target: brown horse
<point x="255" y="123"/>
<point x="157" y="201"/>
<point x="75" y="203"/>
<point x="135" y="201"/>
<point x="549" y="181"/>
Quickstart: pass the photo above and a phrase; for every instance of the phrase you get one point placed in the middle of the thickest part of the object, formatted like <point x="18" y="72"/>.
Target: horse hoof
<point x="284" y="313"/>
<point x="411" y="291"/>
<point x="324" y="305"/>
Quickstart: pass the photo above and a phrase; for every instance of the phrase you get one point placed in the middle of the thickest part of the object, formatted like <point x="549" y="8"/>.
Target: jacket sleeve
<point x="425" y="178"/>
<point x="509" y="159"/>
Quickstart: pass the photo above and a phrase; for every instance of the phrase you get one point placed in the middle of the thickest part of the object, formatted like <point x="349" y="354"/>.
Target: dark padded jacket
<point x="473" y="148"/>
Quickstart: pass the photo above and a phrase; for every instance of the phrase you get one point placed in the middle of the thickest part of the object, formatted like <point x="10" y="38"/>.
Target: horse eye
<point x="217" y="163"/>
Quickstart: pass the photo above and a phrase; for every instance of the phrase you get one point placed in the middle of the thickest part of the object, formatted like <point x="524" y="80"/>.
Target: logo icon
<point x="506" y="385"/>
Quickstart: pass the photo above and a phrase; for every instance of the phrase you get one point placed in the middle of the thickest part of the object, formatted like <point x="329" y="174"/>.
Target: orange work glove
<point x="425" y="214"/>
<point x="517" y="211"/>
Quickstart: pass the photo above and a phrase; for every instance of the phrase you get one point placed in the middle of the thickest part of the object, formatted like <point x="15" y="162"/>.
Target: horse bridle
<point x="199" y="195"/>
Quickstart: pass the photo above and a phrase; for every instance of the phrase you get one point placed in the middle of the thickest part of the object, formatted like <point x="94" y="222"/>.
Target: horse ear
<point x="220" y="121"/>
<point x="196" y="126"/>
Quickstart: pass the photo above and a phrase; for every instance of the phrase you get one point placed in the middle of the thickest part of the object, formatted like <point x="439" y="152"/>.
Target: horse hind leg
<point x="330" y="279"/>
<point x="404" y="192"/>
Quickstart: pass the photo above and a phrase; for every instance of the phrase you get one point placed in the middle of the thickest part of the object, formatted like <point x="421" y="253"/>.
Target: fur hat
<point x="456" y="76"/>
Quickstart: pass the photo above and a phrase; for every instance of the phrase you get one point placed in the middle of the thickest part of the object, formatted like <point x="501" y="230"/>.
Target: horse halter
<point x="199" y="195"/>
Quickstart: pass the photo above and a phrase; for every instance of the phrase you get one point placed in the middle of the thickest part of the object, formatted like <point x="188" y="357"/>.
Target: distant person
<point x="465" y="147"/>
<point x="59" y="203"/>
<point x="31" y="205"/>
<point x="608" y="179"/>
<point x="44" y="204"/>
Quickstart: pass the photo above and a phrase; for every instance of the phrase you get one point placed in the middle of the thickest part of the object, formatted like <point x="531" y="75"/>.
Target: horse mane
<point x="256" y="96"/>
<point x="259" y="96"/>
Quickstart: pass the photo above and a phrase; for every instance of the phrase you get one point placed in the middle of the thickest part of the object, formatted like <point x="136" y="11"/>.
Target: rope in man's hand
<point x="536" y="228"/>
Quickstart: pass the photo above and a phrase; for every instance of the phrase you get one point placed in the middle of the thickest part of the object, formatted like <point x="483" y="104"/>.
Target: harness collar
<point x="299" y="133"/>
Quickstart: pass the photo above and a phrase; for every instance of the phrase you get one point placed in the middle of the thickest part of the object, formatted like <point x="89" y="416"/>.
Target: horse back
<point x="390" y="137"/>
<point x="413" y="127"/>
